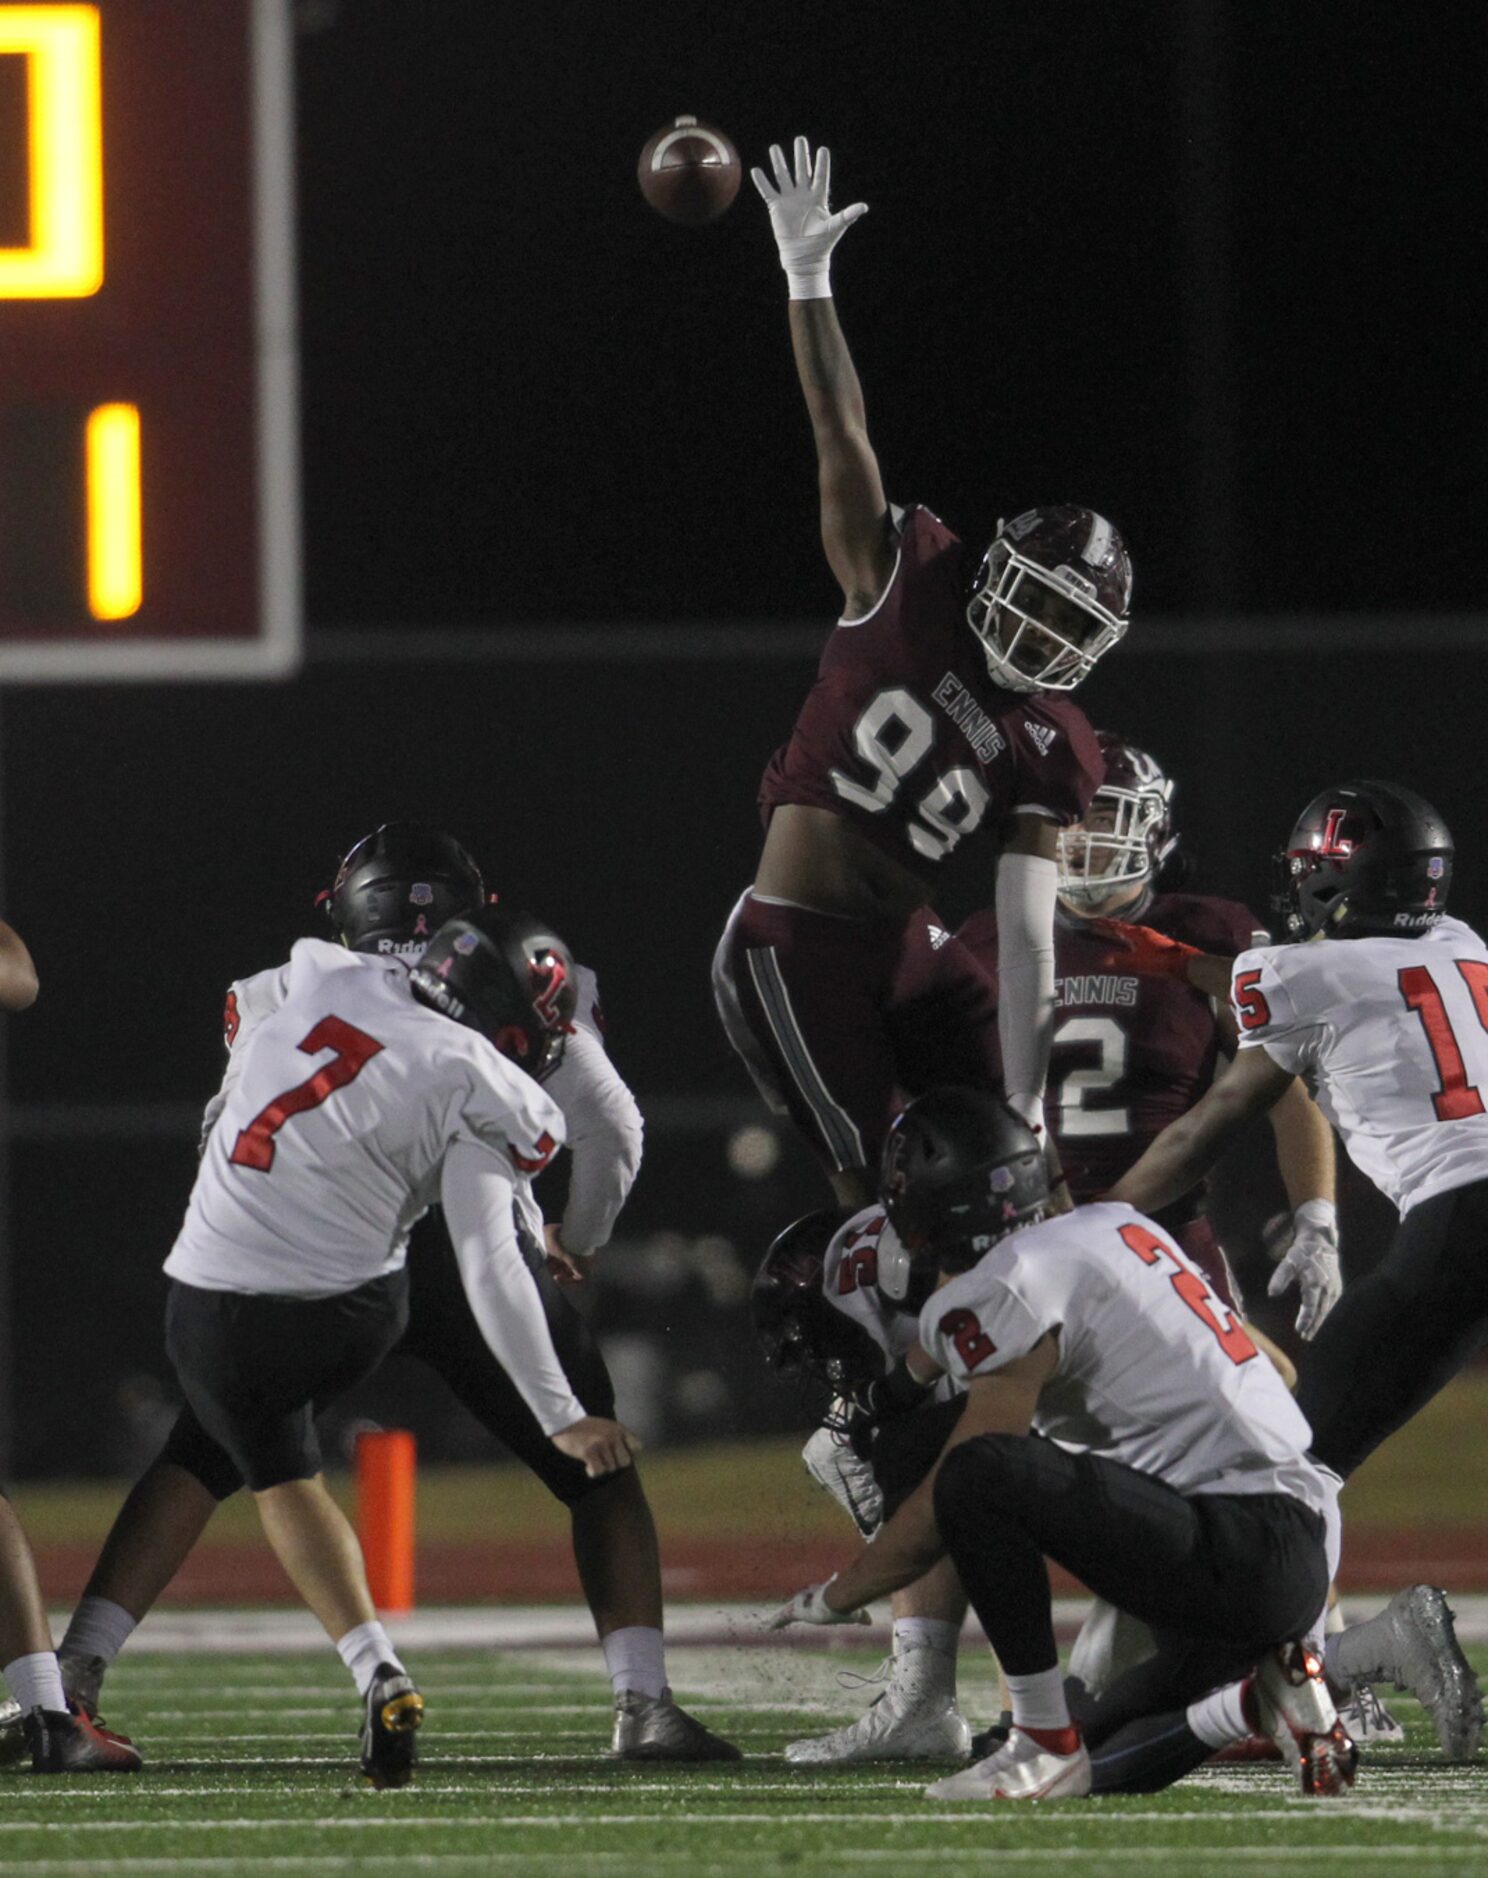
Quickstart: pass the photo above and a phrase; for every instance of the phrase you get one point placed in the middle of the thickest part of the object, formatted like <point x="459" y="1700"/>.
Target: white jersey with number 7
<point x="346" y="1103"/>
<point x="1392" y="1037"/>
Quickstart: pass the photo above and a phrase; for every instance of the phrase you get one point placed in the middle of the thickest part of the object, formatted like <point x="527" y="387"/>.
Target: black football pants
<point x="1218" y="1578"/>
<point x="442" y="1333"/>
<point x="1397" y="1337"/>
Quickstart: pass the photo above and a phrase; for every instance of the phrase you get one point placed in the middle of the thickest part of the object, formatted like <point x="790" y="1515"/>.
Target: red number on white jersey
<point x="1229" y="1333"/>
<point x="1457" y="1098"/>
<point x="354" y="1049"/>
<point x="973" y="1345"/>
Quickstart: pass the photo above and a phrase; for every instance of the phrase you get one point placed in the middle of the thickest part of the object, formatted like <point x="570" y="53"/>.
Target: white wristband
<point x="815" y="285"/>
<point x="1320" y="1213"/>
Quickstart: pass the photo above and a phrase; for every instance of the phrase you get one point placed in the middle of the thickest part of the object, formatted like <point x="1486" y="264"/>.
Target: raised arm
<point x="854" y="512"/>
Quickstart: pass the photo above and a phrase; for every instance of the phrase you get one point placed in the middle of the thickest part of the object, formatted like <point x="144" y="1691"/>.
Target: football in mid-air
<point x="689" y="172"/>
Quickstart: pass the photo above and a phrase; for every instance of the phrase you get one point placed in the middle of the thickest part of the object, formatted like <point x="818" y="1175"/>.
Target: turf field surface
<point x="250" y="1769"/>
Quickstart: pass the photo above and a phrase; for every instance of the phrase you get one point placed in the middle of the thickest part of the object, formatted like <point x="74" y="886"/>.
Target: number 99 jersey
<point x="904" y="732"/>
<point x="1392" y="1036"/>
<point x="1129" y="1054"/>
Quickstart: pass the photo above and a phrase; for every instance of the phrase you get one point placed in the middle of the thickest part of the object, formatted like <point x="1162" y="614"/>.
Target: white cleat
<point x="1416" y="1648"/>
<point x="1297" y="1712"/>
<point x="1021" y="1769"/>
<point x="1367" y="1721"/>
<point x="915" y="1719"/>
<point x="13" y="1745"/>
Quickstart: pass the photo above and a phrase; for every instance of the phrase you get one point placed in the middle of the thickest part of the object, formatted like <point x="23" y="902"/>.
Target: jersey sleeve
<point x="479" y="1193"/>
<point x="1262" y="998"/>
<point x="504" y="1109"/>
<point x="1223" y="927"/>
<point x="1058" y="764"/>
<point x="978" y="1324"/>
<point x="604" y="1129"/>
<point x="249" y="1001"/>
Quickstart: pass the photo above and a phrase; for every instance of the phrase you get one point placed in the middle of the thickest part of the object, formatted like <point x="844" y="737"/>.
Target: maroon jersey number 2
<point x="354" y="1049"/>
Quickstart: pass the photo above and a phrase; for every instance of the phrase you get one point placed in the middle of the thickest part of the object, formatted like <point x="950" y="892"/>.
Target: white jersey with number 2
<point x="1392" y="1037"/>
<point x="1152" y="1370"/>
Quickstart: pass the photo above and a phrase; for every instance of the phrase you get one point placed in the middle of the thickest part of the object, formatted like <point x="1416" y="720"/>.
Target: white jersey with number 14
<point x="1392" y="1036"/>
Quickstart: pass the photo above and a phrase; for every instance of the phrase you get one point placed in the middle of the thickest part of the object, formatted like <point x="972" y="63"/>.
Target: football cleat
<point x="72" y="1744"/>
<point x="654" y="1728"/>
<point x="82" y="1679"/>
<point x="1413" y="1644"/>
<point x="1296" y="1710"/>
<point x="911" y="1721"/>
<point x="394" y="1715"/>
<point x="1021" y="1769"/>
<point x="12" y="1733"/>
<point x="1369" y="1723"/>
<point x="991" y="1739"/>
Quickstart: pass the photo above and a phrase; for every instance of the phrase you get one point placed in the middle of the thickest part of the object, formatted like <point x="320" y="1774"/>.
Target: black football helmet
<point x="960" y="1170"/>
<point x="1137" y="799"/>
<point x="399" y="885"/>
<point x="507" y="975"/>
<point x="1052" y="595"/>
<point x="797" y="1328"/>
<point x="1364" y="859"/>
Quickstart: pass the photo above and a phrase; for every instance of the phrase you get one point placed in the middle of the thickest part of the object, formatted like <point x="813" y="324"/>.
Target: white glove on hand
<point x="1311" y="1263"/>
<point x="806" y="230"/>
<point x="809" y="1607"/>
<point x="832" y="1464"/>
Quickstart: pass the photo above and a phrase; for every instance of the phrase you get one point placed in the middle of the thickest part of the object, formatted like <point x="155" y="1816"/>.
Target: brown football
<point x="689" y="172"/>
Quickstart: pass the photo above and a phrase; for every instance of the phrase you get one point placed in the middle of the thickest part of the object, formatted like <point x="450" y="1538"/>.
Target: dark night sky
<point x="1108" y="261"/>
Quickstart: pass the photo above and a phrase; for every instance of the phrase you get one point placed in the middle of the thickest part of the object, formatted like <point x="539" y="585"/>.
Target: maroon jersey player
<point x="1131" y="1053"/>
<point x="937" y="716"/>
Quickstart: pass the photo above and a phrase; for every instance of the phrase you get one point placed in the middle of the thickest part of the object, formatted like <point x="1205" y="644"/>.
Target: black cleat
<point x="394" y="1715"/>
<point x="71" y="1744"/>
<point x="654" y="1729"/>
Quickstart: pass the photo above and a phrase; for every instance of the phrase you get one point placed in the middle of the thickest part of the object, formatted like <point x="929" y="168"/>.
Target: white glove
<point x="806" y="230"/>
<point x="1311" y="1262"/>
<point x="832" y="1464"/>
<point x="810" y="1607"/>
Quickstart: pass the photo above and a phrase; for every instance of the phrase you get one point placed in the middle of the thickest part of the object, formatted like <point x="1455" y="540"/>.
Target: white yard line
<point x="279" y="1632"/>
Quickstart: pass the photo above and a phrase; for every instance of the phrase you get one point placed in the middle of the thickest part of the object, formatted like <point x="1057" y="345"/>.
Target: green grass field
<point x="251" y="1770"/>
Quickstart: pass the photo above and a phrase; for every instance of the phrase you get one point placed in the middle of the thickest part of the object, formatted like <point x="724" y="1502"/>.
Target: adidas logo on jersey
<point x="1042" y="734"/>
<point x="938" y="936"/>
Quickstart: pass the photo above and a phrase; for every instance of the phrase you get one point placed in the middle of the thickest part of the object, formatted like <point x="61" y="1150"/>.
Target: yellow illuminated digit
<point x="64" y="257"/>
<point x="115" y="574"/>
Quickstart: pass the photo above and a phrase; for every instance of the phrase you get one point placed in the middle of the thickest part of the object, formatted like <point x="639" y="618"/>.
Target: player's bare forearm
<point x="1185" y="1150"/>
<point x="853" y="506"/>
<point x="1304" y="1148"/>
<point x="1210" y="975"/>
<point x="18" y="981"/>
<point x="1001" y="1404"/>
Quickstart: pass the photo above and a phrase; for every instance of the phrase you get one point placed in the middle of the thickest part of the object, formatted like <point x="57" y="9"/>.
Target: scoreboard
<point x="149" y="453"/>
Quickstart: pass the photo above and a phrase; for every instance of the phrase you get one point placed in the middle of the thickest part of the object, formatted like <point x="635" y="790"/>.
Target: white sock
<point x="1219" y="1718"/>
<point x="636" y="1659"/>
<point x="911" y="1632"/>
<point x="1038" y="1700"/>
<point x="364" y="1649"/>
<point x="99" y="1627"/>
<point x="36" y="1682"/>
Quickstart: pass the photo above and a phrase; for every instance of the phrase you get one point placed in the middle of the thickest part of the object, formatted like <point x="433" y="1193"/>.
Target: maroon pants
<point x="843" y="1021"/>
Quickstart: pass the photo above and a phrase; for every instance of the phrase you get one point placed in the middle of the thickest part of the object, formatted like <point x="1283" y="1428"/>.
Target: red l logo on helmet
<point x="1330" y="843"/>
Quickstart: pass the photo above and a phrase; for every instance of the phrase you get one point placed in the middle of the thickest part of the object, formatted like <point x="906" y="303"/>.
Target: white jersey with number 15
<point x="1392" y="1036"/>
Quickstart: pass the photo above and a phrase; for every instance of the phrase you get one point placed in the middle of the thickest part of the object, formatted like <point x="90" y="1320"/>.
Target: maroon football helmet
<point x="1128" y="830"/>
<point x="1051" y="596"/>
